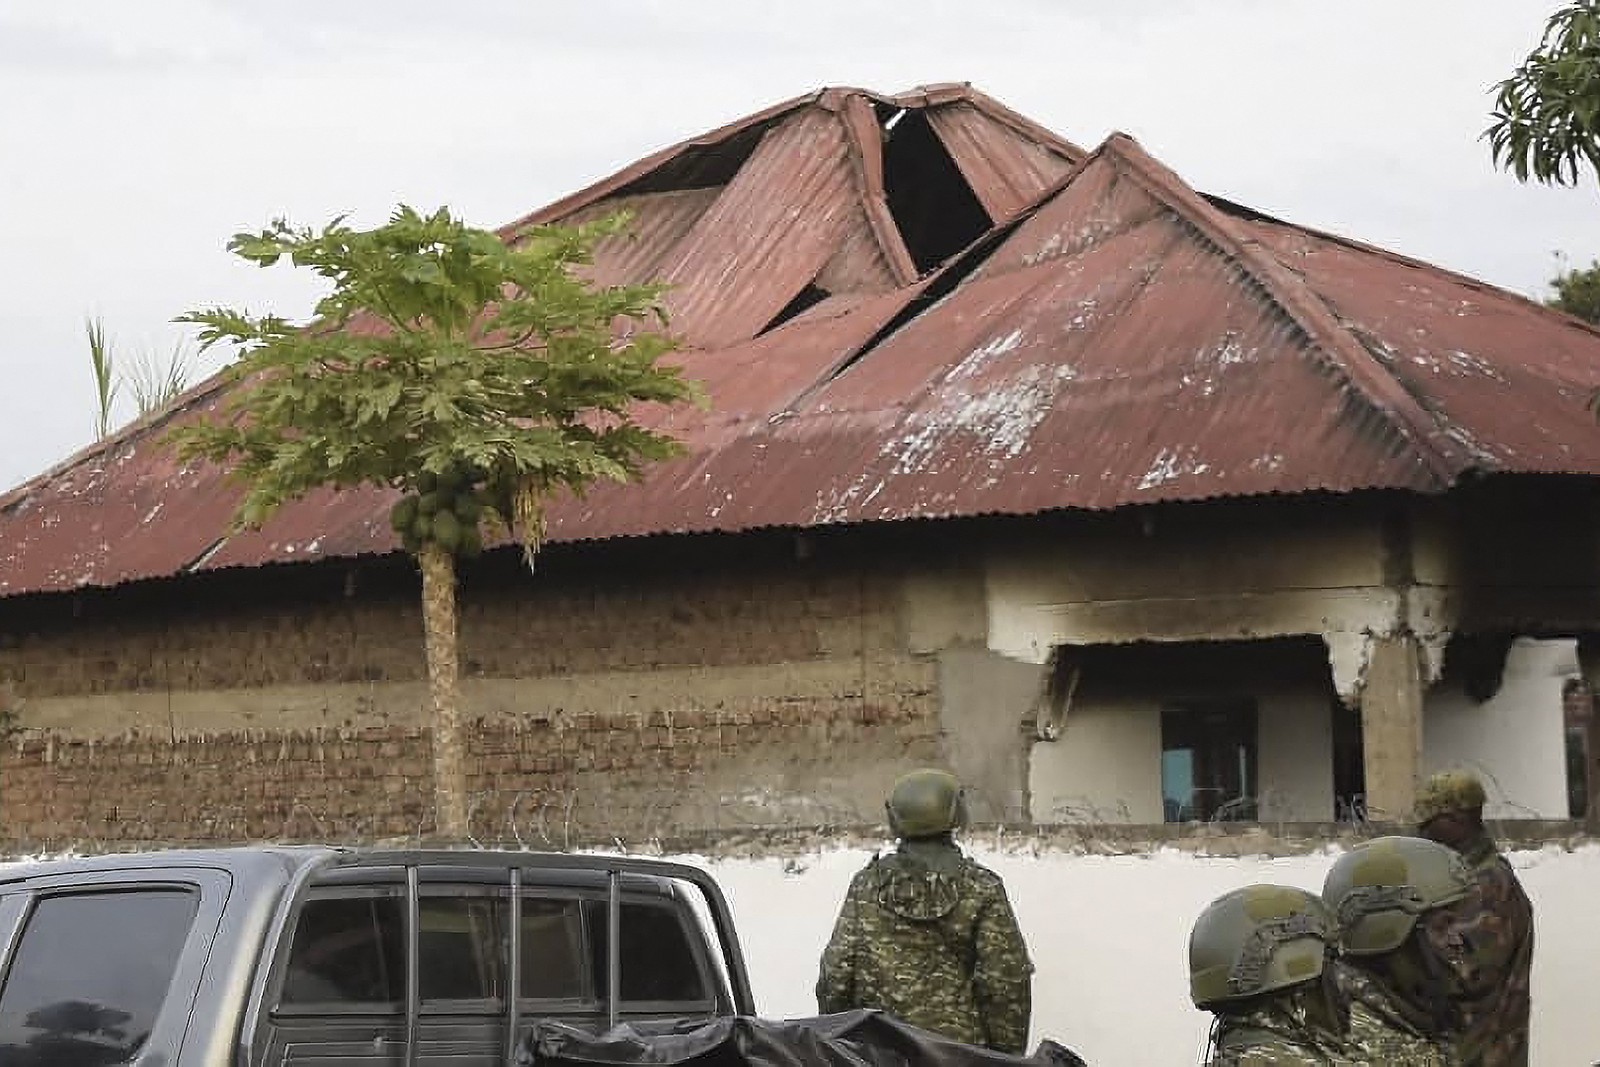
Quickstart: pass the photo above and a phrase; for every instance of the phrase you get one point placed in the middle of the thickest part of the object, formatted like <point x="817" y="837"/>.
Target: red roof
<point x="1108" y="337"/>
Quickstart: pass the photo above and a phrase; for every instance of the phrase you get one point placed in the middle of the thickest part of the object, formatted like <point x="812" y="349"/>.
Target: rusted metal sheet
<point x="657" y="222"/>
<point x="769" y="233"/>
<point x="750" y="386"/>
<point x="1505" y="377"/>
<point x="1006" y="170"/>
<point x="866" y="143"/>
<point x="1124" y="341"/>
<point x="118" y="512"/>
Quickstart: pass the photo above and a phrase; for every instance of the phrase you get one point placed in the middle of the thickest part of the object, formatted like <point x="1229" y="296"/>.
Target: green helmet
<point x="1256" y="940"/>
<point x="926" y="803"/>
<point x="1379" y="888"/>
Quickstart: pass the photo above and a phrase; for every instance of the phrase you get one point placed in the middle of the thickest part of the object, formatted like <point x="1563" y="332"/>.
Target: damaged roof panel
<point x="768" y="234"/>
<point x="1006" y="171"/>
<point x="1121" y="340"/>
<point x="1058" y="389"/>
<point x="657" y="222"/>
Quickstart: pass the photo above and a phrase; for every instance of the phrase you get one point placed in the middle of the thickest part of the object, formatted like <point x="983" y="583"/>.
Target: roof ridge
<point x="1372" y="381"/>
<point x="864" y="146"/>
<point x="1405" y="260"/>
<point x="940" y="93"/>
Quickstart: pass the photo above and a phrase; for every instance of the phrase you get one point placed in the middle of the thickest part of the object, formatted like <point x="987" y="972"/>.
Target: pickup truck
<point x="269" y="956"/>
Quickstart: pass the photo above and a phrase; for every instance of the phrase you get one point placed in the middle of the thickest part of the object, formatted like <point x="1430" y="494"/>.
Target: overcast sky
<point x="135" y="138"/>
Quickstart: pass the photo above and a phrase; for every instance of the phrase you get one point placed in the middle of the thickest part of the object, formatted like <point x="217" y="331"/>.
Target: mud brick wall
<point x="608" y="699"/>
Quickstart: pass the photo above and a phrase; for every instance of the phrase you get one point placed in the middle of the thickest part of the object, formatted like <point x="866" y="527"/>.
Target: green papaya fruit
<point x="403" y="513"/>
<point x="446" y="531"/>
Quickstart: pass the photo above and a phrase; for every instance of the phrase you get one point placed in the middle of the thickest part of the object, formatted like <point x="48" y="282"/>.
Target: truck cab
<point x="268" y="956"/>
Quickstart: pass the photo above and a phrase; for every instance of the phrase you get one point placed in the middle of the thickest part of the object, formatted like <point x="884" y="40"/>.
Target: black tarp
<point x="848" y="1039"/>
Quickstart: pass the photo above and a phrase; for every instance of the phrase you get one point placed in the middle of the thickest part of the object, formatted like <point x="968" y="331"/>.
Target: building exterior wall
<point x="669" y="686"/>
<point x="604" y="704"/>
<point x="1515" y="740"/>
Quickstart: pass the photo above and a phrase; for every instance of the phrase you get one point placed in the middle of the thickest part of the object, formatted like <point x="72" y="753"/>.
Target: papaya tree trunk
<point x="449" y="746"/>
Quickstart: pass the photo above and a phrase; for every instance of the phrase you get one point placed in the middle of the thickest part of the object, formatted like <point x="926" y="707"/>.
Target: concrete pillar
<point x="1589" y="663"/>
<point x="1391" y="727"/>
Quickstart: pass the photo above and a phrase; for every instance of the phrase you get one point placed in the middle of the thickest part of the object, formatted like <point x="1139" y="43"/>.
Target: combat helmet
<point x="1448" y="791"/>
<point x="1256" y="940"/>
<point x="926" y="803"/>
<point x="1378" y="889"/>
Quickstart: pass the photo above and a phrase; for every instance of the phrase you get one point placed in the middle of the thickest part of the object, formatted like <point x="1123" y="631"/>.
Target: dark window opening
<point x="348" y="950"/>
<point x="1349" y="766"/>
<point x="458" y="948"/>
<point x="552" y="950"/>
<point x="1208" y="761"/>
<point x="809" y="297"/>
<point x="90" y="975"/>
<point x="935" y="209"/>
<point x="657" y="960"/>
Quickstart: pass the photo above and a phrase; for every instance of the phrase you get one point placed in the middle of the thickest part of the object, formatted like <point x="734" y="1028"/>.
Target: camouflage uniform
<point x="1281" y="1028"/>
<point x="1486" y="939"/>
<point x="1282" y="1031"/>
<point x="1384" y="1027"/>
<point x="928" y="935"/>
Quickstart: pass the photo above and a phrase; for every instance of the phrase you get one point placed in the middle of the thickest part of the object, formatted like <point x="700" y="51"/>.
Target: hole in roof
<point x="703" y="166"/>
<point x="936" y="210"/>
<point x="808" y="297"/>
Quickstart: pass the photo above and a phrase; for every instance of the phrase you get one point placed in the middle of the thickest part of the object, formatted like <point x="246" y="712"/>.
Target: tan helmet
<point x="926" y="803"/>
<point x="1449" y="791"/>
<point x="1378" y="889"/>
<point x="1256" y="940"/>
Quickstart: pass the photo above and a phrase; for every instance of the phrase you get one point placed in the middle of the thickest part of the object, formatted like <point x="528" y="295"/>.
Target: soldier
<point x="1397" y="986"/>
<point x="928" y="935"/>
<point x="1488" y="937"/>
<point x="1260" y="959"/>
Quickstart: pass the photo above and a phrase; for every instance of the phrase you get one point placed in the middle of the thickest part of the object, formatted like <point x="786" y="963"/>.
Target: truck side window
<point x="348" y="950"/>
<point x="658" y="963"/>
<point x="458" y="947"/>
<point x="552" y="950"/>
<point x="90" y="975"/>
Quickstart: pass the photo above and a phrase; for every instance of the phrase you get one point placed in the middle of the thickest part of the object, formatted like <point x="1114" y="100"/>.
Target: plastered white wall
<point x="1516" y="740"/>
<point x="1295" y="755"/>
<point x="1104" y="767"/>
<point x="1108" y="936"/>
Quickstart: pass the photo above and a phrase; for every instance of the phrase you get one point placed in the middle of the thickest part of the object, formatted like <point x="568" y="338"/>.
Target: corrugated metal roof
<point x="1005" y="169"/>
<point x="1123" y="340"/>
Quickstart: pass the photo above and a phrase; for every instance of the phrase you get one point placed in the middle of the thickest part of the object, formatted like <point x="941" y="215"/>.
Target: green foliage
<point x="103" y="365"/>
<point x="445" y="362"/>
<point x="1546" y="120"/>
<point x="154" y="382"/>
<point x="1577" y="292"/>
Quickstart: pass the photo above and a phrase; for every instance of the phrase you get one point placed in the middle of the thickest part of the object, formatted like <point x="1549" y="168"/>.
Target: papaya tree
<point x="474" y="375"/>
<point x="1546" y="120"/>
